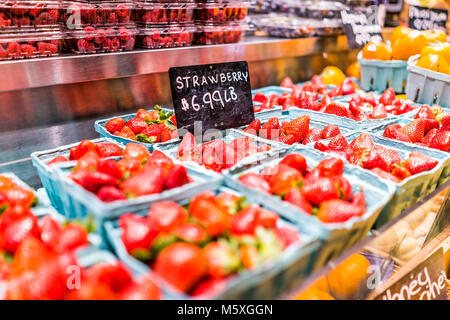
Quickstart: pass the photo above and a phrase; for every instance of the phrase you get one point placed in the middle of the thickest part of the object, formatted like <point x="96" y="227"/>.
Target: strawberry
<point x="445" y="119"/>
<point x="271" y="129"/>
<point x="249" y="256"/>
<point x="425" y="112"/>
<point x="320" y="146"/>
<point x="113" y="274"/>
<point x="362" y="144"/>
<point x="283" y="179"/>
<point x="17" y="196"/>
<point x="330" y="131"/>
<point x="105" y="149"/>
<point x="337" y="109"/>
<point x="73" y="236"/>
<point x="418" y="162"/>
<point x="182" y="265"/>
<point x="267" y="218"/>
<point x="126" y="133"/>
<point x="401" y="172"/>
<point x="149" y="181"/>
<point x="298" y="128"/>
<point x="177" y="177"/>
<point x="259" y="97"/>
<point x="330" y="167"/>
<point x="313" y="135"/>
<point x="167" y="134"/>
<point x="50" y="231"/>
<point x="164" y="216"/>
<point x="253" y="127"/>
<point x="265" y="147"/>
<point x="337" y="143"/>
<point x="57" y="159"/>
<point x="188" y="149"/>
<point x="191" y="232"/>
<point x="415" y="130"/>
<point x="255" y="181"/>
<point x="22" y="226"/>
<point x="110" y="193"/>
<point x="287" y="83"/>
<point x="115" y="124"/>
<point x="89" y="161"/>
<point x="430" y="124"/>
<point x="345" y="188"/>
<point x="136" y="125"/>
<point x="287" y="235"/>
<point x="392" y="131"/>
<point x="295" y="197"/>
<point x="358" y="113"/>
<point x="337" y="210"/>
<point x="245" y="221"/>
<point x="212" y="217"/>
<point x="441" y="141"/>
<point x="145" y="115"/>
<point x="92" y="291"/>
<point x="289" y="139"/>
<point x="429" y="136"/>
<point x="296" y="161"/>
<point x="153" y="131"/>
<point x="136" y="232"/>
<point x="385" y="175"/>
<point x="207" y="289"/>
<point x="136" y="151"/>
<point x="321" y="189"/>
<point x="229" y="202"/>
<point x="93" y="180"/>
<point x="78" y="151"/>
<point x="221" y="259"/>
<point x="110" y="167"/>
<point x="387" y="97"/>
<point x="143" y="288"/>
<point x="378" y="112"/>
<point x="348" y="86"/>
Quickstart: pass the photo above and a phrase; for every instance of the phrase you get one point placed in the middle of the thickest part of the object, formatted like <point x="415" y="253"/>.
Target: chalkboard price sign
<point x="215" y="96"/>
<point x="360" y="27"/>
<point x="422" y="18"/>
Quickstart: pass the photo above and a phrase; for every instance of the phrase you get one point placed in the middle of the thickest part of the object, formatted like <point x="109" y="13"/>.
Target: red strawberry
<point x="136" y="125"/>
<point x="362" y="144"/>
<point x="313" y="135"/>
<point x="321" y="189"/>
<point x="267" y="218"/>
<point x="110" y="193"/>
<point x="105" y="149"/>
<point x="57" y="159"/>
<point x="259" y="97"/>
<point x="177" y="177"/>
<point x="401" y="172"/>
<point x="330" y="131"/>
<point x="330" y="167"/>
<point x="93" y="180"/>
<point x="320" y="146"/>
<point x="144" y="288"/>
<point x="378" y="112"/>
<point x="429" y="136"/>
<point x="271" y="129"/>
<point x="110" y="167"/>
<point x="221" y="259"/>
<point x="165" y="216"/>
<point x="229" y="202"/>
<point x="348" y="86"/>
<point x="296" y="161"/>
<point x="298" y="128"/>
<point x="255" y="181"/>
<point x="249" y="256"/>
<point x="114" y="274"/>
<point x="245" y="221"/>
<point x="295" y="197"/>
<point x="166" y="134"/>
<point x="393" y="131"/>
<point x="126" y="133"/>
<point x="337" y="109"/>
<point x="136" y="232"/>
<point x="209" y="288"/>
<point x="144" y="115"/>
<point x="81" y="149"/>
<point x="153" y="131"/>
<point x="136" y="151"/>
<point x="18" y="196"/>
<point x="191" y="232"/>
<point x="188" y="149"/>
<point x="358" y="113"/>
<point x="415" y="130"/>
<point x="287" y="83"/>
<point x="441" y="141"/>
<point x="418" y="162"/>
<point x="430" y="124"/>
<point x="387" y="97"/>
<point x="253" y="127"/>
<point x="338" y="143"/>
<point x="92" y="291"/>
<point x="13" y="233"/>
<point x="209" y="214"/>
<point x="287" y="235"/>
<point x="283" y="179"/>
<point x="73" y="236"/>
<point x="339" y="211"/>
<point x="289" y="139"/>
<point x="385" y="175"/>
<point x="115" y="124"/>
<point x="50" y="231"/>
<point x="149" y="181"/>
<point x="425" y="112"/>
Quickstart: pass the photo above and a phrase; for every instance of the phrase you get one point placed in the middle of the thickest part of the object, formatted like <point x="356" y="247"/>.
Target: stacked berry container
<point x="164" y="24"/>
<point x="219" y="22"/>
<point x="98" y="27"/>
<point x="29" y="29"/>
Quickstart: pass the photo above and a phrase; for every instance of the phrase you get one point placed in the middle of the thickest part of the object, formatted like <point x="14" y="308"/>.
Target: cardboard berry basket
<point x="379" y="131"/>
<point x="413" y="188"/>
<point x="48" y="175"/>
<point x="356" y="125"/>
<point x="380" y="75"/>
<point x="100" y="128"/>
<point x="336" y="237"/>
<point x="267" y="281"/>
<point x="426" y="86"/>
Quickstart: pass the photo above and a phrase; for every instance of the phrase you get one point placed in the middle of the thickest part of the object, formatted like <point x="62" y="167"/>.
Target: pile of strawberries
<point x="290" y="132"/>
<point x="138" y="173"/>
<point x="382" y="161"/>
<point x="197" y="247"/>
<point x="27" y="14"/>
<point x="431" y="128"/>
<point x="149" y="127"/>
<point x="316" y="85"/>
<point x="13" y="195"/>
<point x="322" y="191"/>
<point x="29" y="49"/>
<point x="218" y="155"/>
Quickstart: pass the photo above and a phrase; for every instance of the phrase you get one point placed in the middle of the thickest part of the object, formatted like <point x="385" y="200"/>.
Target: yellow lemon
<point x="332" y="75"/>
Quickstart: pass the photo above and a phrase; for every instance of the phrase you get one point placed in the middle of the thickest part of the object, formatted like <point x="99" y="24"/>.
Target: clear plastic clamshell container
<point x="27" y="45"/>
<point x="311" y="9"/>
<point x="163" y="13"/>
<point x="29" y="14"/>
<point x="165" y="37"/>
<point x="207" y="34"/>
<point x="213" y="12"/>
<point x="99" y="40"/>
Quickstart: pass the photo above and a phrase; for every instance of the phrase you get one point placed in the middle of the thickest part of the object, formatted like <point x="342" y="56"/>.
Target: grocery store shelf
<point x="27" y="74"/>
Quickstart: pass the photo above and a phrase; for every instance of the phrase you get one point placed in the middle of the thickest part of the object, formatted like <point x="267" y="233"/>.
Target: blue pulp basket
<point x="426" y="86"/>
<point x="414" y="188"/>
<point x="48" y="175"/>
<point x="100" y="128"/>
<point x="380" y="75"/>
<point x="267" y="282"/>
<point x="446" y="166"/>
<point x="336" y="237"/>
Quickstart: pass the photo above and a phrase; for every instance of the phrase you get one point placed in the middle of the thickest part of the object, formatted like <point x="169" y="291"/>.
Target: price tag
<point x="361" y="27"/>
<point x="215" y="96"/>
<point x="422" y="18"/>
<point x="427" y="281"/>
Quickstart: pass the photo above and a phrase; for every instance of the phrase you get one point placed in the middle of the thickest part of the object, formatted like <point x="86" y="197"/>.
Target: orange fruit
<point x="348" y="279"/>
<point x="398" y="32"/>
<point x="332" y="75"/>
<point x="433" y="62"/>
<point x="354" y="70"/>
<point x="313" y="294"/>
<point x="435" y="36"/>
<point x="377" y="51"/>
<point x="440" y="48"/>
<point x="408" y="45"/>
